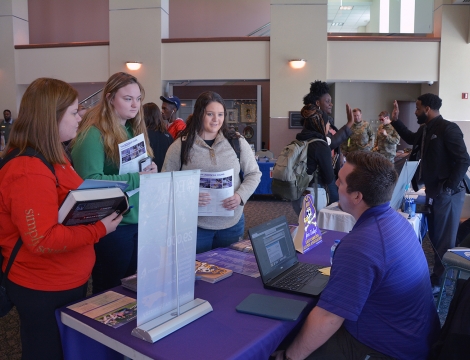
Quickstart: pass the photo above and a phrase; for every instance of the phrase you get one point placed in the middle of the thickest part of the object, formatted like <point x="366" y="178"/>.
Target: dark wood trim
<point x="218" y="39"/>
<point x="345" y="37"/>
<point x="60" y="45"/>
<point x="410" y="38"/>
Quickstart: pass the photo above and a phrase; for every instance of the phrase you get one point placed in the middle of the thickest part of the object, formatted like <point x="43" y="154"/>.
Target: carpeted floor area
<point x="257" y="211"/>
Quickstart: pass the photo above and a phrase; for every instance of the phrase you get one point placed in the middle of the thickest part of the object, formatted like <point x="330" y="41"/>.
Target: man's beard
<point x="422" y="118"/>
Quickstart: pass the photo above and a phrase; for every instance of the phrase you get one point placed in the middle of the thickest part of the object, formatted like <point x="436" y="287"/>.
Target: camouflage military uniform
<point x="362" y="138"/>
<point x="387" y="145"/>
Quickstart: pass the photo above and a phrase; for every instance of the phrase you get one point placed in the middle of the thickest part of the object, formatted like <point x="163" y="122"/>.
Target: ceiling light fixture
<point x="346" y="7"/>
<point x="133" y="65"/>
<point x="297" y="63"/>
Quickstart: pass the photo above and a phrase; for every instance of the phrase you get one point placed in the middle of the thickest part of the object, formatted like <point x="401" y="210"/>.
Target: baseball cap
<point x="172" y="100"/>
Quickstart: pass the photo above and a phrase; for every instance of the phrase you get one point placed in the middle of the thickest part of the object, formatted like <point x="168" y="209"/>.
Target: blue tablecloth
<point x="264" y="187"/>
<point x="221" y="334"/>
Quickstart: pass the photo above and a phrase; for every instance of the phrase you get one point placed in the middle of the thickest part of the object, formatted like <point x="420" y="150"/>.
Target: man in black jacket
<point x="444" y="161"/>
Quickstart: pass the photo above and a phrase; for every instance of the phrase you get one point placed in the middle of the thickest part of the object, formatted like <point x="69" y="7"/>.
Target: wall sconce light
<point x="133" y="65"/>
<point x="297" y="63"/>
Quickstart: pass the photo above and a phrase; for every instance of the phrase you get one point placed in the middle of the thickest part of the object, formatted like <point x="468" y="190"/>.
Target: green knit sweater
<point x="90" y="162"/>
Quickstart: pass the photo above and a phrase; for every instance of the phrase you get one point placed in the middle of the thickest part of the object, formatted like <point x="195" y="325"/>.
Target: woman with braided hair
<point x="318" y="154"/>
<point x="320" y="97"/>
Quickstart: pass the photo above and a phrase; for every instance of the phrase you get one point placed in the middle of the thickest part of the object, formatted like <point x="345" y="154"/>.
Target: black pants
<point x="40" y="338"/>
<point x="443" y="223"/>
<point x="333" y="192"/>
<point x="116" y="258"/>
<point x="343" y="346"/>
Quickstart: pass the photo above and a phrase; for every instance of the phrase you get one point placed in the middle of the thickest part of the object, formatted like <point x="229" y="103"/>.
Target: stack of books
<point x="87" y="206"/>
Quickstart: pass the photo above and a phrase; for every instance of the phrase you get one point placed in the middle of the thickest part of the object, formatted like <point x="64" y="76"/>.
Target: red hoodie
<point x="53" y="257"/>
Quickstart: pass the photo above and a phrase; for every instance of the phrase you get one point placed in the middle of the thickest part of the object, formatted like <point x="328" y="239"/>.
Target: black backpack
<point x="5" y="304"/>
<point x="454" y="338"/>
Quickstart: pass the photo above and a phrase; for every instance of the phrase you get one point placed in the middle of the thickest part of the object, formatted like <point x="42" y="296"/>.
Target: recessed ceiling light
<point x="346" y="7"/>
<point x="337" y="24"/>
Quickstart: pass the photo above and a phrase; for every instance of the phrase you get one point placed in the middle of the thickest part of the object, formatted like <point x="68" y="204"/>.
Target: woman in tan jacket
<point x="206" y="144"/>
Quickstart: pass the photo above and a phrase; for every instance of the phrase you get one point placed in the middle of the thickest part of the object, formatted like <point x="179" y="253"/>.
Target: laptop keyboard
<point x="297" y="278"/>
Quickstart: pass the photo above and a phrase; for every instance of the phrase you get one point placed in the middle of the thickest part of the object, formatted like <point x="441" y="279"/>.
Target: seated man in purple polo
<point x="378" y="303"/>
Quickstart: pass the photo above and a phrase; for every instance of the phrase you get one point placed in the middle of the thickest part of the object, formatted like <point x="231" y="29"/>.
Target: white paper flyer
<point x="131" y="151"/>
<point x="219" y="185"/>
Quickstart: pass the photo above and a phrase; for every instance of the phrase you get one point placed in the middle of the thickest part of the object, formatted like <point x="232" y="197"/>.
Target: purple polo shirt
<point x="380" y="285"/>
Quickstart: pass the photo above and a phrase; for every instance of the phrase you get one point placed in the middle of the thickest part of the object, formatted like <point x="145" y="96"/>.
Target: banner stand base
<point x="164" y="325"/>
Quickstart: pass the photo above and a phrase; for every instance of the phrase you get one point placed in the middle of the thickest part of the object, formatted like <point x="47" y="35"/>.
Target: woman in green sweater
<point x="118" y="117"/>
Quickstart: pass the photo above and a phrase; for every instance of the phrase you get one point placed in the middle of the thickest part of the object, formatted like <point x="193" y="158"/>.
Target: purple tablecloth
<point x="221" y="334"/>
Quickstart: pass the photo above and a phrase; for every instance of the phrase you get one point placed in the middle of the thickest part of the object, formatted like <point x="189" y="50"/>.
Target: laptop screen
<point x="273" y="247"/>
<point x="404" y="179"/>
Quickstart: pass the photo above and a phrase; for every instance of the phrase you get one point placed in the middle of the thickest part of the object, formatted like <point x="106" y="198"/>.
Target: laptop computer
<point x="277" y="260"/>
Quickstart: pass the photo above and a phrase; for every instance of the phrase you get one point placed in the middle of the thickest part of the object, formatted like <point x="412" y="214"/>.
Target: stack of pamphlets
<point x="239" y="262"/>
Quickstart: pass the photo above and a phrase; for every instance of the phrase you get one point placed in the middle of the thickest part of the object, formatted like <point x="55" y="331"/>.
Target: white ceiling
<point x="351" y="20"/>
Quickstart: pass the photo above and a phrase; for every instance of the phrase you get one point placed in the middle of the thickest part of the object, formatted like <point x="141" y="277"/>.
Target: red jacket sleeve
<point x="31" y="197"/>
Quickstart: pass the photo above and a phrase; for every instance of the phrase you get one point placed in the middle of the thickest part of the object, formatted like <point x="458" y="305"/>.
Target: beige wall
<point x="291" y="41"/>
<point x="383" y="61"/>
<point x="280" y="135"/>
<point x="465" y="127"/>
<point x="74" y="64"/>
<point x="90" y="63"/>
<point x="455" y="59"/>
<point x="135" y="33"/>
<point x="232" y="60"/>
<point x="298" y="31"/>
